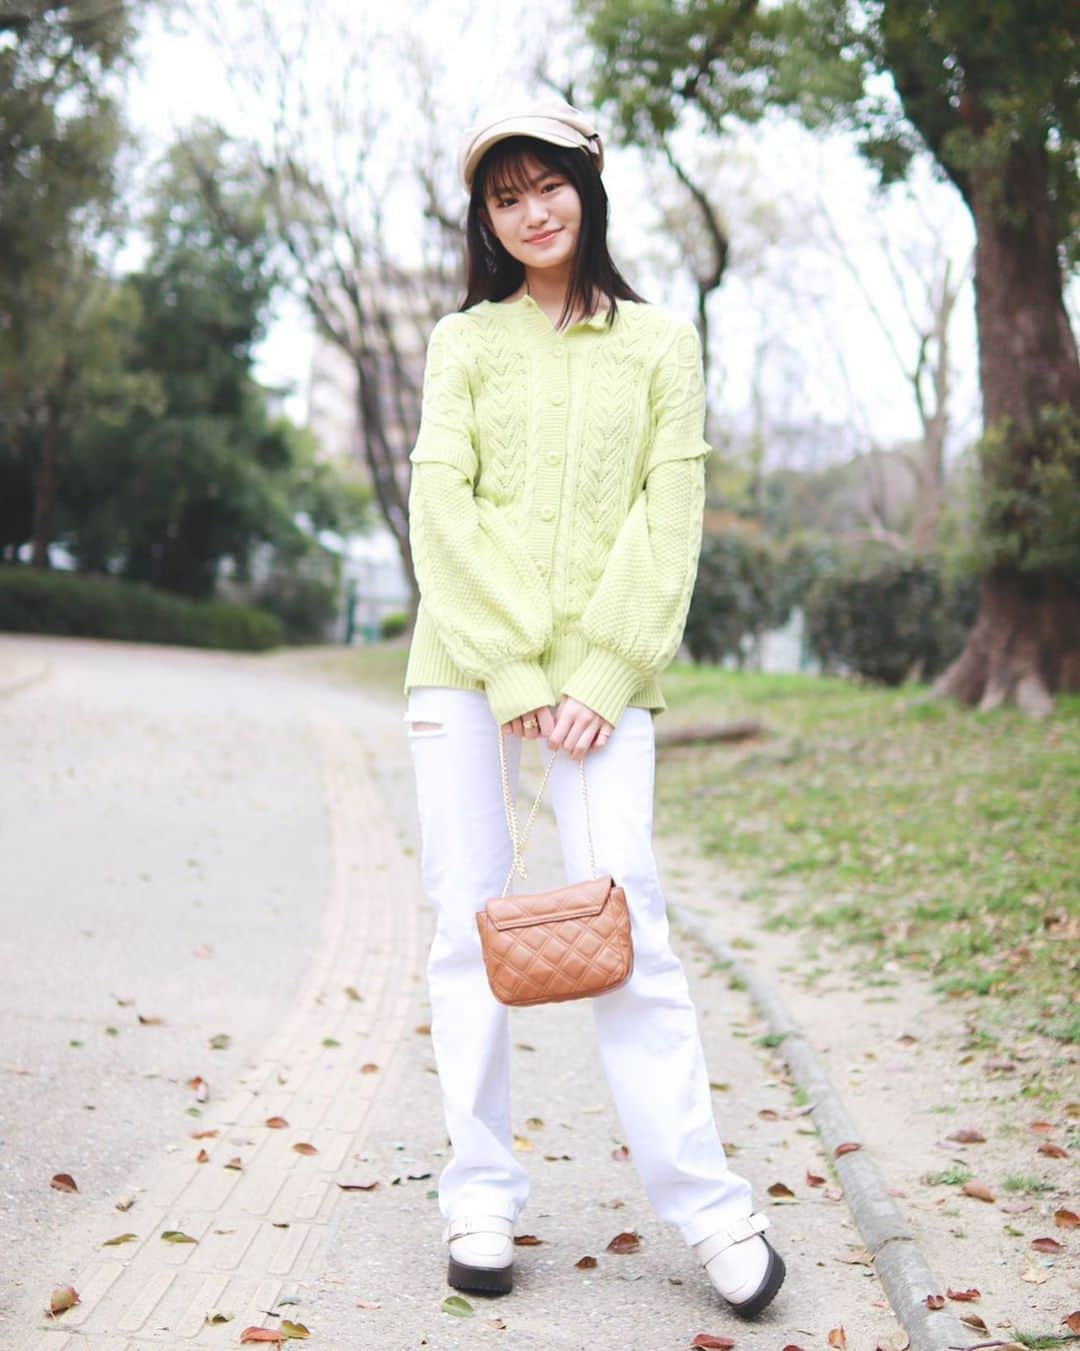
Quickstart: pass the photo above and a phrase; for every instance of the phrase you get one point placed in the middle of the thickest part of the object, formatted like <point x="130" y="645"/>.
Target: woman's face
<point x="538" y="226"/>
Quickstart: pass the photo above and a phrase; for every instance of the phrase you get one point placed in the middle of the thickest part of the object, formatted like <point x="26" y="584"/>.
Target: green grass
<point x="952" y="1176"/>
<point x="932" y="834"/>
<point x="1022" y="1182"/>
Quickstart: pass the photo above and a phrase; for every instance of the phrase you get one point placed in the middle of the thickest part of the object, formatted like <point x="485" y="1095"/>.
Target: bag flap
<point x="577" y="901"/>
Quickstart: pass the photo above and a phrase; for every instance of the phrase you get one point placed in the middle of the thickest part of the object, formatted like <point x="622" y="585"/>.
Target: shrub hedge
<point x="35" y="601"/>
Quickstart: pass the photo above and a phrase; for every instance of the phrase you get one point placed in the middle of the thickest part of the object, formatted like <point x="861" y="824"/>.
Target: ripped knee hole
<point x="424" y="728"/>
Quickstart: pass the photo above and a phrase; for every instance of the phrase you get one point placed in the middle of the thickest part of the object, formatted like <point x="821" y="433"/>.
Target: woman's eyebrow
<point x="532" y="182"/>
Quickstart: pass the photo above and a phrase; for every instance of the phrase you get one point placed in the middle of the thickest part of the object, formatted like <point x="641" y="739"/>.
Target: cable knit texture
<point x="555" y="505"/>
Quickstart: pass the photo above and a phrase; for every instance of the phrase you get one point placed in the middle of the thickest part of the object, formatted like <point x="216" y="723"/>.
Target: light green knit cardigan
<point x="556" y="504"/>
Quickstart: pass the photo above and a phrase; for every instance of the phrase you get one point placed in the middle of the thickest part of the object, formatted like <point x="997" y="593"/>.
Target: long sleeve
<point x="478" y="583"/>
<point x="635" y="617"/>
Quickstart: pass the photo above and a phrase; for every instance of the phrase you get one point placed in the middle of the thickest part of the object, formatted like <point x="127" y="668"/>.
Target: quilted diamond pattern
<point x="568" y="943"/>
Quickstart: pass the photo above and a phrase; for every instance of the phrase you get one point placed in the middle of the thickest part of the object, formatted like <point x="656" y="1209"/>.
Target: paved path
<point x="161" y="802"/>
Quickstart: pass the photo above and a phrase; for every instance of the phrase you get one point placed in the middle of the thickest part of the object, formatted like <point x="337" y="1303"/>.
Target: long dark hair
<point x="493" y="273"/>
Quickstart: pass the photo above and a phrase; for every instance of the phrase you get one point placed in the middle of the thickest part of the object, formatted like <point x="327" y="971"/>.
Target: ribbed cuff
<point x="605" y="683"/>
<point x="516" y="688"/>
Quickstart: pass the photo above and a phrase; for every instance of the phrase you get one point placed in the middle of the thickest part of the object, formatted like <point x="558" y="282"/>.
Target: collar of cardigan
<point x="597" y="320"/>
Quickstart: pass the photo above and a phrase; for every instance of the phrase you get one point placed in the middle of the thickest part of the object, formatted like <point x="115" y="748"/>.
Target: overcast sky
<point x="813" y="319"/>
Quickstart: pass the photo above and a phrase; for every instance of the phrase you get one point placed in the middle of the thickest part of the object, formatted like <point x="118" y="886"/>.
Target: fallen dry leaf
<point x="935" y="1301"/>
<point x="63" y="1182"/>
<point x="1072" y="1321"/>
<point x="254" y="1334"/>
<point x="859" y="1257"/>
<point x="237" y="1163"/>
<point x="814" y="1179"/>
<point x="967" y="1135"/>
<point x="422" y="1029"/>
<point x="1050" y="1245"/>
<point x="621" y="1153"/>
<point x="972" y="1320"/>
<point x="527" y="1240"/>
<point x="586" y="1263"/>
<point x="1066" y="1219"/>
<point x="204" y="1135"/>
<point x="64" y="1297"/>
<point x="199" y="1087"/>
<point x="768" y="1114"/>
<point x="708" y="1342"/>
<point x="1053" y="1151"/>
<point x="302" y="1147"/>
<point x="627" y="1241"/>
<point x="780" y="1189"/>
<point x="1042" y="1127"/>
<point x="979" y="1190"/>
<point x="202" y="1156"/>
<point x="1035" y="1276"/>
<point x="964" y="1296"/>
<point x="837" y="1338"/>
<point x="368" y="1304"/>
<point x="846" y="1147"/>
<point x="364" y="1185"/>
<point x="369" y="1067"/>
<point x="276" y="1123"/>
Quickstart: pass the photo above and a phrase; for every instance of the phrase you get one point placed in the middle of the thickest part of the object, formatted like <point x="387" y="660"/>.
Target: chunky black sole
<point x="487" y="1280"/>
<point x="773" y="1280"/>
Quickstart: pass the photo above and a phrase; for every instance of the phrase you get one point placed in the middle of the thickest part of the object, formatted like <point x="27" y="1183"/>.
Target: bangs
<point x="507" y="163"/>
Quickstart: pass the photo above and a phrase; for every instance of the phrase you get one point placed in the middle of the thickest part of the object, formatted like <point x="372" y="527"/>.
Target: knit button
<point x="558" y="397"/>
<point x="546" y="513"/>
<point x="553" y="457"/>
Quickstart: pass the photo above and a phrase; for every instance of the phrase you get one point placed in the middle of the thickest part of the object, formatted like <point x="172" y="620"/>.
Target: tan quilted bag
<point x="567" y="943"/>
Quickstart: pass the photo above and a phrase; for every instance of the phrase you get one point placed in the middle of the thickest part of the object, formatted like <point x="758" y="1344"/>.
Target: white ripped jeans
<point x="647" y="1030"/>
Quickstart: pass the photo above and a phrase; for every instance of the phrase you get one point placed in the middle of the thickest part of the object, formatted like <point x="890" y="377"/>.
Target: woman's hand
<point x="578" y="729"/>
<point x="545" y="721"/>
<point x="573" y="725"/>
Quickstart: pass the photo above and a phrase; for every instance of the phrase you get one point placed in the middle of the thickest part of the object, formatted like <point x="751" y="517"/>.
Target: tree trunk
<point x="1024" y="644"/>
<point x="46" y="484"/>
<point x="1026" y="639"/>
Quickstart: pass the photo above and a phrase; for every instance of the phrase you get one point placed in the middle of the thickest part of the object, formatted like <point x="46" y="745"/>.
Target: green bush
<point x="392" y="625"/>
<point x="306" y="606"/>
<point x="34" y="601"/>
<point x="736" y="594"/>
<point x="889" y="616"/>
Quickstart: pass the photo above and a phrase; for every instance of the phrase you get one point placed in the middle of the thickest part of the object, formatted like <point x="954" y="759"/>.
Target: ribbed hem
<point x="429" y="663"/>
<point x="605" y="682"/>
<point x="516" y="688"/>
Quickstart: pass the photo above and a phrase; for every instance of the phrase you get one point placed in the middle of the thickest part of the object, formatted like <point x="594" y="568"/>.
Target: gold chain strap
<point x="511" y="814"/>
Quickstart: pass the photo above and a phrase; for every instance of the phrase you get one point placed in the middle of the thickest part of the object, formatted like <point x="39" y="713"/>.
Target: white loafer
<point x="743" y="1266"/>
<point x="481" y="1253"/>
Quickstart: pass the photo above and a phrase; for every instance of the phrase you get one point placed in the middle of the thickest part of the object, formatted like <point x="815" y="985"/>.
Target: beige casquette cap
<point x="548" y="119"/>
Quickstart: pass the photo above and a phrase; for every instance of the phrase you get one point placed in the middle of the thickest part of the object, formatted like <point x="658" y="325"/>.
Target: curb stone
<point x="20" y="675"/>
<point x="898" y="1261"/>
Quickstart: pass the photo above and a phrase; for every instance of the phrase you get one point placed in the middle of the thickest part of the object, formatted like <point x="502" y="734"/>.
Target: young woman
<point x="556" y="501"/>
